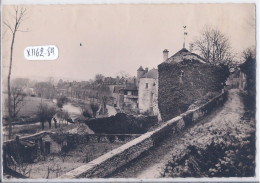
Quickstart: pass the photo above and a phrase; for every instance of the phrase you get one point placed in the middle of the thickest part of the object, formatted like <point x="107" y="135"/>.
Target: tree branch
<point x="5" y="23"/>
<point x="21" y="30"/>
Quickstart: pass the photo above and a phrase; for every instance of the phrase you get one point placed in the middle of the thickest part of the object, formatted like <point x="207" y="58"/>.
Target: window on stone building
<point x="146" y="86"/>
<point x="181" y="75"/>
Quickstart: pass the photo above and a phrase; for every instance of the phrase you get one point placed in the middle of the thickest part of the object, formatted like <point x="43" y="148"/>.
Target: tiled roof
<point x="184" y="54"/>
<point x="140" y="69"/>
<point x="129" y="87"/>
<point x="153" y="73"/>
<point x="114" y="81"/>
<point x="117" y="88"/>
<point x="110" y="80"/>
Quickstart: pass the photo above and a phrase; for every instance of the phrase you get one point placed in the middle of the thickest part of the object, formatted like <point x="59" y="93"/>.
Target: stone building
<point x="237" y="79"/>
<point x="185" y="78"/>
<point x="130" y="97"/>
<point x="125" y="97"/>
<point x="140" y="73"/>
<point x="148" y="92"/>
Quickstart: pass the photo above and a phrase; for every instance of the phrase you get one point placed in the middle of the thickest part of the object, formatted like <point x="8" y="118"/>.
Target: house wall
<point x="130" y="102"/>
<point x="126" y="100"/>
<point x="111" y="88"/>
<point x="148" y="97"/>
<point x="118" y="99"/>
<point x="236" y="80"/>
<point x="139" y="75"/>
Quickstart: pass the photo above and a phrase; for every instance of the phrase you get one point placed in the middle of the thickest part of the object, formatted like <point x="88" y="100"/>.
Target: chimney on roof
<point x="126" y="83"/>
<point x="117" y="80"/>
<point x="135" y="82"/>
<point x="165" y="54"/>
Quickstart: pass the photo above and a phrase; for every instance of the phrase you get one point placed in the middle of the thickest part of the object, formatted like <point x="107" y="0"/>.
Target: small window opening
<point x="181" y="75"/>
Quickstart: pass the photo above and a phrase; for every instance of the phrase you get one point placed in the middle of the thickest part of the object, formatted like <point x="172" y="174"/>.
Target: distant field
<point x="30" y="106"/>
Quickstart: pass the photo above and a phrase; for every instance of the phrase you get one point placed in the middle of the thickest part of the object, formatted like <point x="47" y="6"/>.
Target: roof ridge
<point x="140" y="69"/>
<point x="183" y="54"/>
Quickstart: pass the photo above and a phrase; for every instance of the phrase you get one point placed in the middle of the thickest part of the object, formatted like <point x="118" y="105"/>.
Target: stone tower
<point x="140" y="73"/>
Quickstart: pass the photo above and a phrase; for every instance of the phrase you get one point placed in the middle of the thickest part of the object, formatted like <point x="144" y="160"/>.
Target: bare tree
<point x="45" y="90"/>
<point x="104" y="94"/>
<point x="248" y="67"/>
<point x="66" y="117"/>
<point x="85" y="111"/>
<point x="123" y="74"/>
<point x="45" y="113"/>
<point x="249" y="53"/>
<point x="213" y="46"/>
<point x="99" y="78"/>
<point x="17" y="101"/>
<point x="61" y="101"/>
<point x="94" y="107"/>
<point x="20" y="82"/>
<point x="63" y="115"/>
<point x="14" y="27"/>
<point x="50" y="114"/>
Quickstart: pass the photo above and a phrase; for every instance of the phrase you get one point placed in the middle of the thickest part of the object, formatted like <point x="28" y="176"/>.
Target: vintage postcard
<point x="142" y="91"/>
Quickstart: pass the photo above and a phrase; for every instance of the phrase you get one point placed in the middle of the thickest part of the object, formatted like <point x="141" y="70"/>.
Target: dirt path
<point x="76" y="110"/>
<point x="111" y="110"/>
<point x="221" y="121"/>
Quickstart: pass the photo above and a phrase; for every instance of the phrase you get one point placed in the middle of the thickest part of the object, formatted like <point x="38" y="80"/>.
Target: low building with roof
<point x="130" y="93"/>
<point x="118" y="97"/>
<point x="237" y="79"/>
<point x="111" y="83"/>
<point x="125" y="97"/>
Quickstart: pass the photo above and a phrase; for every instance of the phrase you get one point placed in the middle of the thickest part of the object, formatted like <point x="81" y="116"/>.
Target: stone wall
<point x="79" y="139"/>
<point x="111" y="161"/>
<point x="14" y="148"/>
<point x="30" y="137"/>
<point x="100" y="138"/>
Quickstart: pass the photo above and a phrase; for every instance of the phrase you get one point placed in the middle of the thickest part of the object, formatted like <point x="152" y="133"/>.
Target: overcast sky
<point x="118" y="37"/>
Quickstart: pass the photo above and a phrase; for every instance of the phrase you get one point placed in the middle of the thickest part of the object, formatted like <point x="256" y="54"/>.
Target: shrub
<point x="61" y="101"/>
<point x="229" y="158"/>
<point x="45" y="113"/>
<point x="203" y="100"/>
<point x="86" y="114"/>
<point x="122" y="124"/>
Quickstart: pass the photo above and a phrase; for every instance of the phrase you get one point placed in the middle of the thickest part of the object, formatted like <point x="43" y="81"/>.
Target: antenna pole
<point x="184" y="34"/>
<point x="184" y="41"/>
